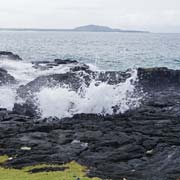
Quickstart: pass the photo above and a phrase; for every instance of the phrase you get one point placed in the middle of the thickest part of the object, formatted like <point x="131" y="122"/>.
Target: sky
<point x="150" y="15"/>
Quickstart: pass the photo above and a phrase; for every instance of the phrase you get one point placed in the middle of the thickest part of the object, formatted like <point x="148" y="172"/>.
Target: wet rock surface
<point x="6" y="78"/>
<point x="141" y="144"/>
<point x="9" y="55"/>
<point x="72" y="79"/>
<point x="73" y="64"/>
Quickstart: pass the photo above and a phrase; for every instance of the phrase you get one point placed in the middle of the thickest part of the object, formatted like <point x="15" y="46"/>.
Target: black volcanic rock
<point x="140" y="144"/>
<point x="71" y="79"/>
<point x="9" y="55"/>
<point x="66" y="61"/>
<point x="6" y="78"/>
<point x="27" y="109"/>
<point x="158" y="78"/>
<point x="78" y="75"/>
<point x="72" y="64"/>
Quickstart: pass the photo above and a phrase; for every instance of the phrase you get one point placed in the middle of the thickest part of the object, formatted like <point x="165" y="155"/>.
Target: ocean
<point x="107" y="51"/>
<point x="102" y="52"/>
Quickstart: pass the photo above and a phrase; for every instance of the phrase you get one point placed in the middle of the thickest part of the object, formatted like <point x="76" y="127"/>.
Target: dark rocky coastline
<point x="141" y="144"/>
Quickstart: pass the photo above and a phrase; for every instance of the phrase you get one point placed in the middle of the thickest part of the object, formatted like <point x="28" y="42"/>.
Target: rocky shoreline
<point x="141" y="144"/>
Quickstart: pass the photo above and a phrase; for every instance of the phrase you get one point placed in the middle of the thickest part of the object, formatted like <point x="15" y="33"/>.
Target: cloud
<point x="130" y="14"/>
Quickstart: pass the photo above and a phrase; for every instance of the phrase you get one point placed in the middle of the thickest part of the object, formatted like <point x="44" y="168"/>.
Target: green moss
<point x="73" y="171"/>
<point x="3" y="158"/>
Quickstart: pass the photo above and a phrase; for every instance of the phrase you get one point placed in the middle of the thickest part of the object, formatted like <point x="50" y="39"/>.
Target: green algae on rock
<point x="72" y="171"/>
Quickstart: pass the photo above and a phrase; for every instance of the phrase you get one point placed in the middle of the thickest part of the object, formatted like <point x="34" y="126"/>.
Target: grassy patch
<point x="3" y="158"/>
<point x="73" y="172"/>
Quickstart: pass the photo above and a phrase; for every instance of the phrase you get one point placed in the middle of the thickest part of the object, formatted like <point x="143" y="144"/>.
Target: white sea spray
<point x="98" y="98"/>
<point x="61" y="101"/>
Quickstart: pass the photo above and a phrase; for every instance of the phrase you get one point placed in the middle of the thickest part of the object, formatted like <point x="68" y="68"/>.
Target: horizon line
<point x="106" y="29"/>
<point x="73" y="30"/>
<point x="70" y="30"/>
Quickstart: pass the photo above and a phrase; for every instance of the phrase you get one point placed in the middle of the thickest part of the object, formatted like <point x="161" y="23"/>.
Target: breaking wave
<point x="61" y="101"/>
<point x="101" y="98"/>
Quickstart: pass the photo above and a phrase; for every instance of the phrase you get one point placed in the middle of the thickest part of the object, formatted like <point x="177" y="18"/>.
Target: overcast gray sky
<point x="152" y="15"/>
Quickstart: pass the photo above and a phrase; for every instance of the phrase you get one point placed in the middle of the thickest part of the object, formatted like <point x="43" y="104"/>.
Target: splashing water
<point x="8" y="96"/>
<point x="24" y="72"/>
<point x="62" y="101"/>
<point x="101" y="98"/>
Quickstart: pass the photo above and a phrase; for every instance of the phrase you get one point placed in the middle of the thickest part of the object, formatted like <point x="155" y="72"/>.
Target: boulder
<point x="6" y="78"/>
<point x="66" y="61"/>
<point x="73" y="81"/>
<point x="9" y="55"/>
<point x="73" y="64"/>
<point x="158" y="78"/>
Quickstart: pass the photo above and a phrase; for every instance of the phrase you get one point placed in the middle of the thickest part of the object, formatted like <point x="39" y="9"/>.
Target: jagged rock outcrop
<point x="9" y="55"/>
<point x="70" y="79"/>
<point x="72" y="64"/>
<point x="66" y="61"/>
<point x="159" y="78"/>
<point x="6" y="78"/>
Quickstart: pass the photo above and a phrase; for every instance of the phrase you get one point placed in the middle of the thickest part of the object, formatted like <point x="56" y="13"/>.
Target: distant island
<point x="88" y="28"/>
<point x="96" y="28"/>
